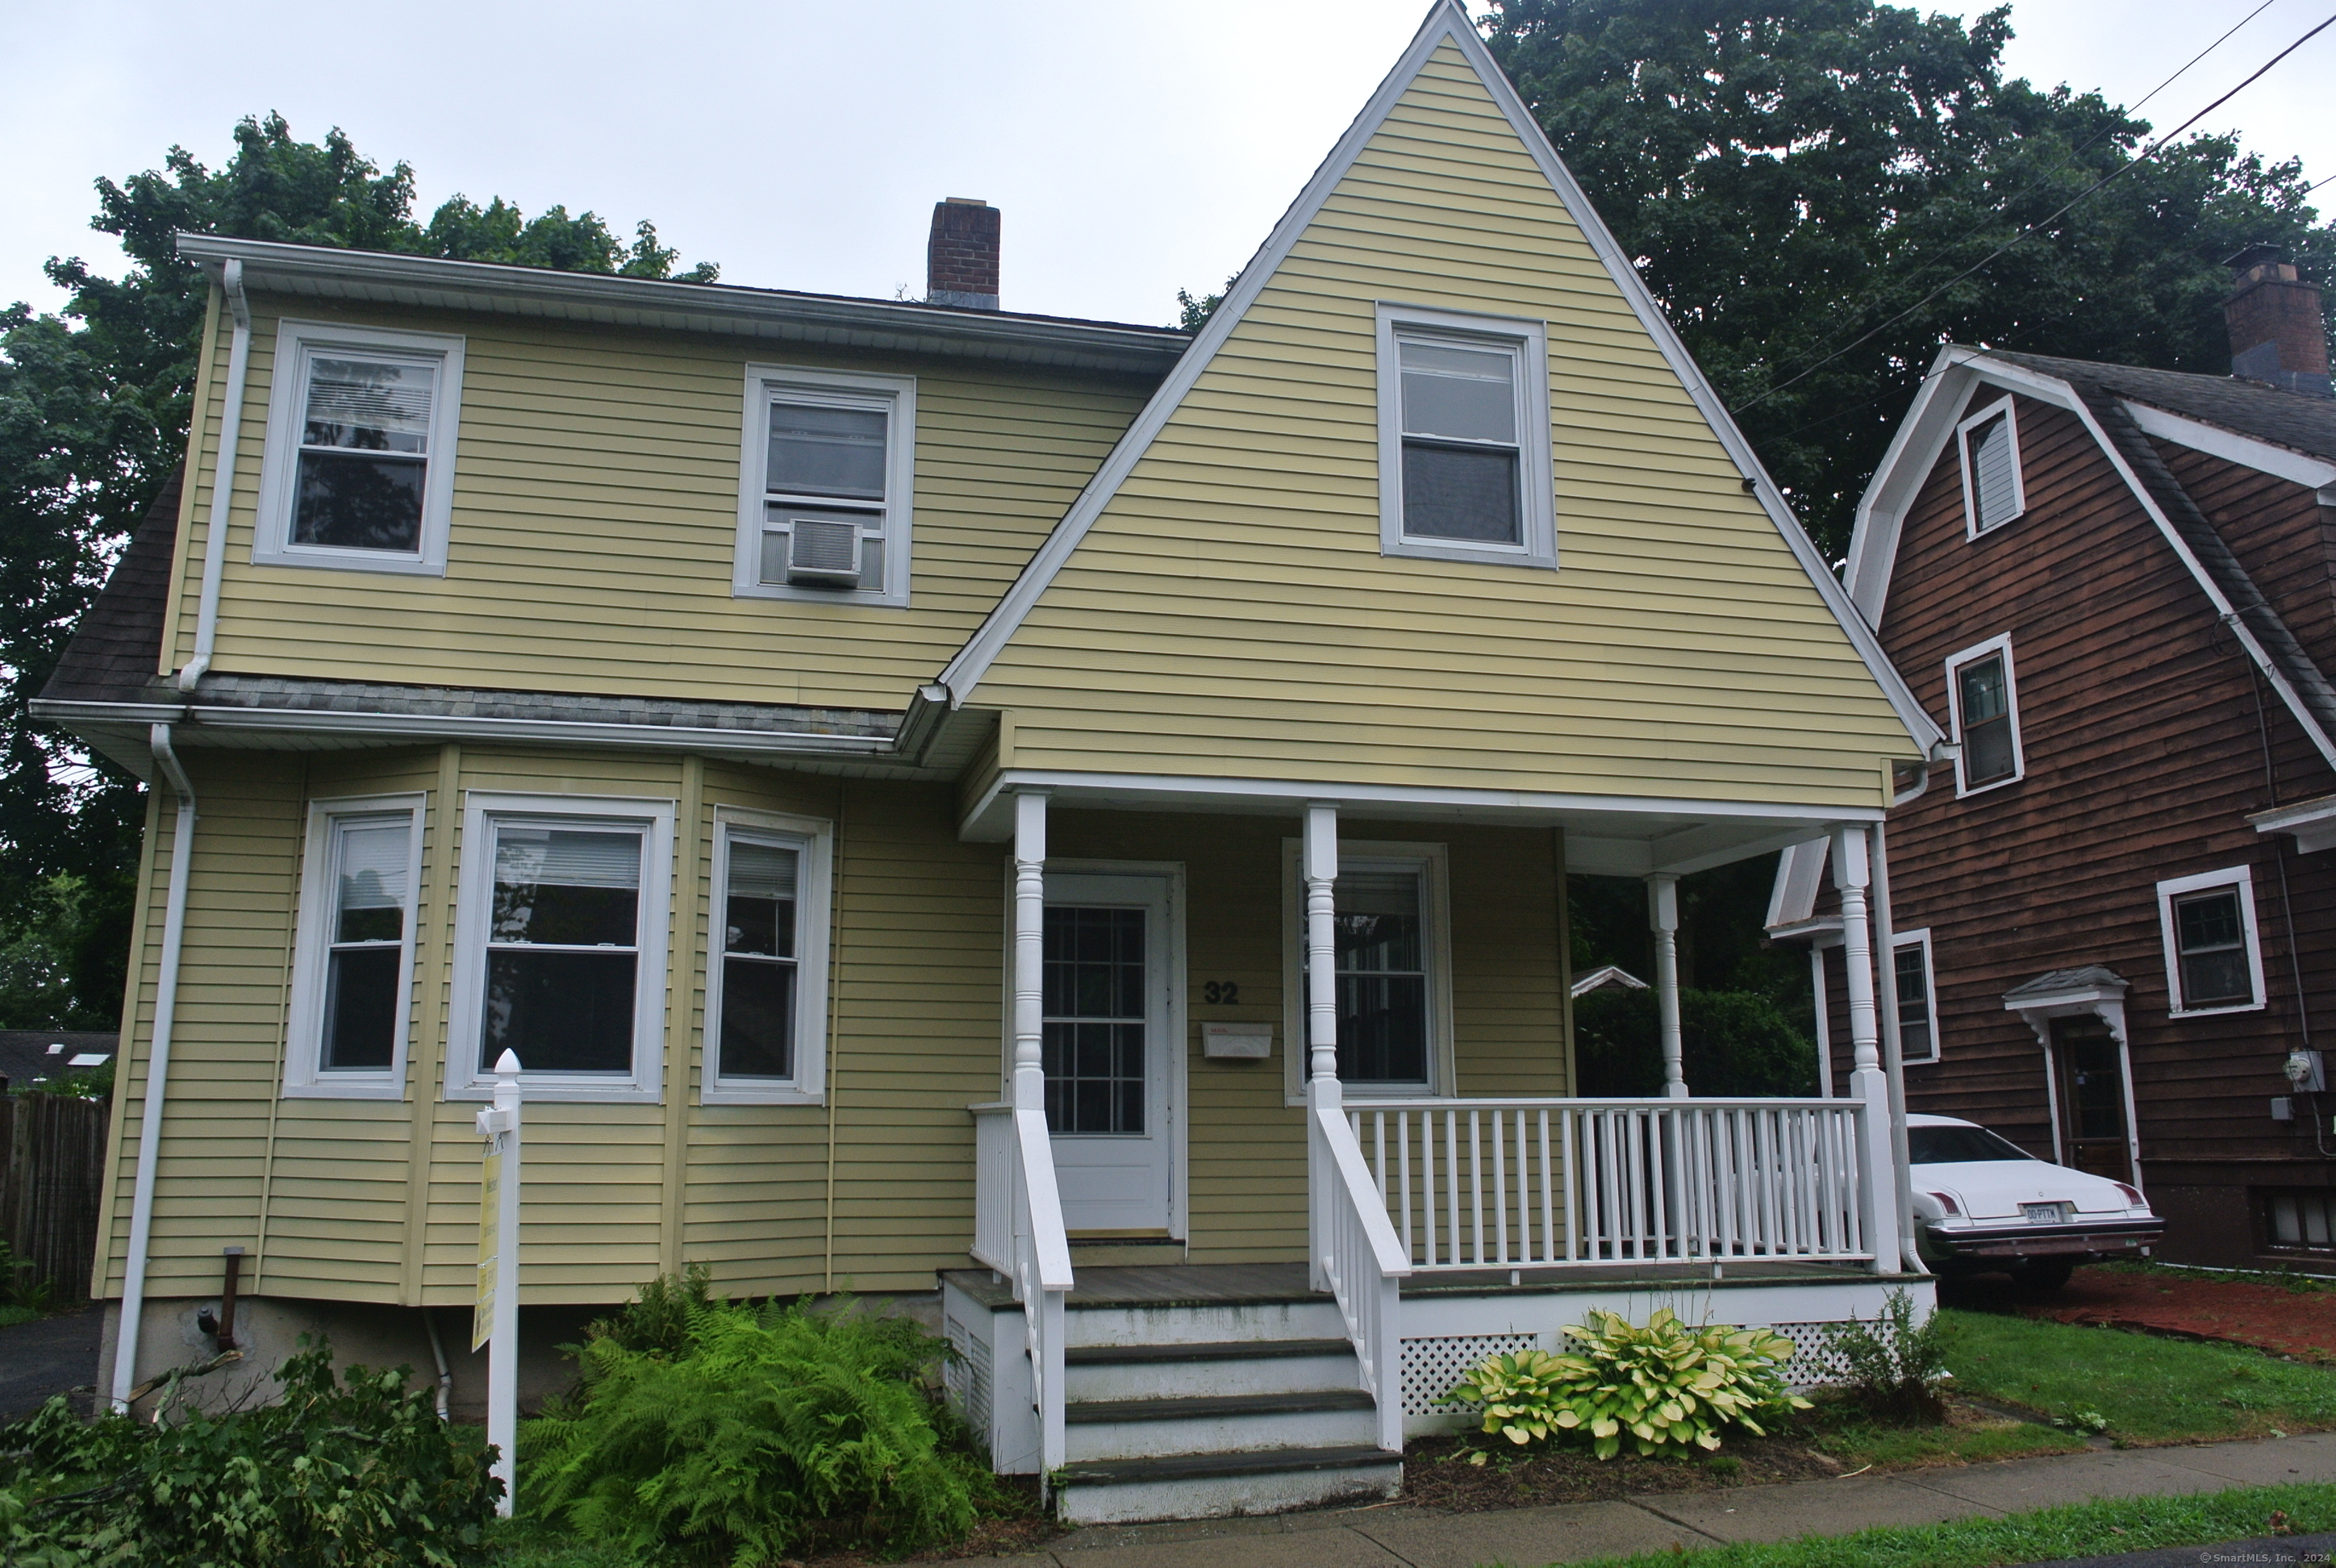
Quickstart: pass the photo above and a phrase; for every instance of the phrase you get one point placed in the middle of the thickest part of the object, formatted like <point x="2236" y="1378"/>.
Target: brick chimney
<point x="2277" y="334"/>
<point x="961" y="257"/>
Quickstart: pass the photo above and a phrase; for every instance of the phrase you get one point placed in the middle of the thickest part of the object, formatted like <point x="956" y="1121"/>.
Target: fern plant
<point x="1893" y="1365"/>
<point x="1662" y="1387"/>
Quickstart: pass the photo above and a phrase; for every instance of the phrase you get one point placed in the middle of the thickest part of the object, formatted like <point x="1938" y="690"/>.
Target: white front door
<point x="1109" y="1013"/>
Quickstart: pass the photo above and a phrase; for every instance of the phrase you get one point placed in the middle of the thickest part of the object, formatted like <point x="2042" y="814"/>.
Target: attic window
<point x="1993" y="493"/>
<point x="826" y="468"/>
<point x="1464" y="439"/>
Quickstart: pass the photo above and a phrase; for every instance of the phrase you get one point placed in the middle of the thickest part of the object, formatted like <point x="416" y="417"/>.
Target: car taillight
<point x="2133" y="1197"/>
<point x="1946" y="1203"/>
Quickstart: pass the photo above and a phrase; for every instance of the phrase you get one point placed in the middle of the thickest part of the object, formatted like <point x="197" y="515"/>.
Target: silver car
<point x="1983" y="1203"/>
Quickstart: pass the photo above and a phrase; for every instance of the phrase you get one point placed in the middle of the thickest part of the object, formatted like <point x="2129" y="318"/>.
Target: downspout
<point x="157" y="1070"/>
<point x="238" y="362"/>
<point x="1894" y="1066"/>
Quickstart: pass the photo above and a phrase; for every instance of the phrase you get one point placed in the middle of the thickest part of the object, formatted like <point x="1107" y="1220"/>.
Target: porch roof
<point x="1605" y="835"/>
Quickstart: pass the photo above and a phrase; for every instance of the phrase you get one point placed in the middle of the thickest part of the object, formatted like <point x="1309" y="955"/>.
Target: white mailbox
<point x="1237" y="1042"/>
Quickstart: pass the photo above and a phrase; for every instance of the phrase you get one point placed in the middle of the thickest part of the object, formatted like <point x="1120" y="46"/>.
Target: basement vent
<point x="824" y="553"/>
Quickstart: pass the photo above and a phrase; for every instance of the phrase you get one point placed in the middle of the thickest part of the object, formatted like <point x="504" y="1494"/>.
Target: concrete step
<point x="1200" y="1322"/>
<point x="1100" y="1372"/>
<point x="1149" y="1428"/>
<point x="1219" y="1484"/>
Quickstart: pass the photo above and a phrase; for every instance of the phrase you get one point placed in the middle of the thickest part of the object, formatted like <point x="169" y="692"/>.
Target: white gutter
<point x="238" y="362"/>
<point x="158" y="1069"/>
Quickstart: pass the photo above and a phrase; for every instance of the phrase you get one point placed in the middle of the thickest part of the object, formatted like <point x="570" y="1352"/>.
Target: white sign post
<point x="494" y="1320"/>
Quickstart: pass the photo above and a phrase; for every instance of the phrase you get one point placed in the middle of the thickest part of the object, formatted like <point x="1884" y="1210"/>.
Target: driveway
<point x="49" y="1356"/>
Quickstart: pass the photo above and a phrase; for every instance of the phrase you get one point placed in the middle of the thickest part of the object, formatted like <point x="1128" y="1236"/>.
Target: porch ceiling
<point x="1605" y="835"/>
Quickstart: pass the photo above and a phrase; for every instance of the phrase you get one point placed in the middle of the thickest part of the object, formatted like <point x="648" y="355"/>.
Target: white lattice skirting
<point x="1431" y="1367"/>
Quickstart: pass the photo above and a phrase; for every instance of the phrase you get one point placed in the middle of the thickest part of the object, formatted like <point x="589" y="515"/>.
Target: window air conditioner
<point x="823" y="553"/>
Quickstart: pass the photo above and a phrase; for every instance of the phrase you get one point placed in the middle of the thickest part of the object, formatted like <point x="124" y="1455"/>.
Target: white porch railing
<point x="1359" y="1262"/>
<point x="1509" y="1183"/>
<point x="1019" y="1232"/>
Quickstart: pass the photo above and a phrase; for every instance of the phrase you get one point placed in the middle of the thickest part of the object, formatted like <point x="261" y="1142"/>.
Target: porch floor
<point x="1214" y="1284"/>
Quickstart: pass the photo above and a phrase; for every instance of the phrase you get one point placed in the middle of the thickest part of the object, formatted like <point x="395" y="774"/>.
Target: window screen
<point x="759" y="950"/>
<point x="1994" y="472"/>
<point x="563" y="948"/>
<point x="363" y="1000"/>
<point x="1460" y="453"/>
<point x="1984" y="703"/>
<point x="2210" y="937"/>
<point x="1916" y="1040"/>
<point x="364" y="452"/>
<point x="1379" y="936"/>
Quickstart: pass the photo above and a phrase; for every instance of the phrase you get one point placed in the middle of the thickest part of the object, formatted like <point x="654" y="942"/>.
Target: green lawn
<point x="2085" y="1530"/>
<point x="2152" y="1390"/>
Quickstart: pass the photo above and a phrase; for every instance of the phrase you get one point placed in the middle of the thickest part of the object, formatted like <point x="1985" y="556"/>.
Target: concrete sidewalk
<point x="1395" y="1535"/>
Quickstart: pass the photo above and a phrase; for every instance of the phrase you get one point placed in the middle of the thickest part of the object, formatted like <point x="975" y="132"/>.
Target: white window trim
<point x="815" y="838"/>
<point x="474" y="908"/>
<point x="1955" y="663"/>
<point x="899" y="394"/>
<point x="1537" y="475"/>
<point x="1920" y="938"/>
<point x="304" y="1077"/>
<point x="2242" y="878"/>
<point x="1360" y="855"/>
<point x="2002" y="406"/>
<point x="295" y="343"/>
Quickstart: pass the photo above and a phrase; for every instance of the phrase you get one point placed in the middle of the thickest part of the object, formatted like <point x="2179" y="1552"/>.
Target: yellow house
<point x="1061" y="823"/>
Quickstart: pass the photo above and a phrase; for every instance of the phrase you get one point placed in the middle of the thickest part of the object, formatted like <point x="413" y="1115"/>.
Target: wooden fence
<point x="51" y="1169"/>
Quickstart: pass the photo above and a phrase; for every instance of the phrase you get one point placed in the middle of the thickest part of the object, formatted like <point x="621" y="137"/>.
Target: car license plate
<point x="2041" y="1213"/>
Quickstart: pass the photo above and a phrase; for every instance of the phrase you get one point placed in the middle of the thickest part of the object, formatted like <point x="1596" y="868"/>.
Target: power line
<point x="2145" y="156"/>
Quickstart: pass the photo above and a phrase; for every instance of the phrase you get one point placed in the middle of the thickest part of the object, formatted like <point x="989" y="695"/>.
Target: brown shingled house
<point x="2111" y="902"/>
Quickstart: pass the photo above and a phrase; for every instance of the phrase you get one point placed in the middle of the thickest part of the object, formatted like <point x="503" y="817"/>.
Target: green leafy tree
<point x="94" y="410"/>
<point x="1789" y="175"/>
<point x="1730" y="1043"/>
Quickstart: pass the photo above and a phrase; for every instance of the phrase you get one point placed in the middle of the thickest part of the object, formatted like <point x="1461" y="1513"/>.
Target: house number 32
<point x="1220" y="993"/>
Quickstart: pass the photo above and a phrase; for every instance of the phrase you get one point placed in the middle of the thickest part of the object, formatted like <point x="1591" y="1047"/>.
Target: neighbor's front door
<point x="2091" y="1071"/>
<point x="1108" y="1051"/>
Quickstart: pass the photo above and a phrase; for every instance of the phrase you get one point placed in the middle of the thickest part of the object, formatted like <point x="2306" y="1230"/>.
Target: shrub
<point x="1730" y="1043"/>
<point x="1663" y="1387"/>
<point x="360" y="1474"/>
<point x="767" y="1428"/>
<point x="1894" y="1368"/>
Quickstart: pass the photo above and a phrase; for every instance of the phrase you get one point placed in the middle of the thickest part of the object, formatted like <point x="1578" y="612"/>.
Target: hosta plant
<point x="1662" y="1387"/>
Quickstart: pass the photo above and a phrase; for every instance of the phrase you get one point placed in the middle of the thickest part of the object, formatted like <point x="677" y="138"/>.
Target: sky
<point x="1136" y="147"/>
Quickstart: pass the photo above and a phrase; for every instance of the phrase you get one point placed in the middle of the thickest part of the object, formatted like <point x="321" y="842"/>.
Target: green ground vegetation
<point x="2049" y="1534"/>
<point x="2148" y="1390"/>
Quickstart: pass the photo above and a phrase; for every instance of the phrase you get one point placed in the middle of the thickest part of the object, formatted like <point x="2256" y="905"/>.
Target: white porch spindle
<point x="1867" y="1084"/>
<point x="1662" y="918"/>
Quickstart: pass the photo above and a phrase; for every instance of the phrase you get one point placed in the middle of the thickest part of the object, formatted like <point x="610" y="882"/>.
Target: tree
<point x="1790" y="175"/>
<point x="1730" y="1043"/>
<point x="93" y="410"/>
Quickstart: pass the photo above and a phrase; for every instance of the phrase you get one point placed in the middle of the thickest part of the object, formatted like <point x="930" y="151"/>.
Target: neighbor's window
<point x="2214" y="962"/>
<point x="767" y="994"/>
<point x="1986" y="716"/>
<point x="1994" y="491"/>
<point x="2303" y="1218"/>
<point x="1918" y="1039"/>
<point x="826" y="480"/>
<point x="360" y="464"/>
<point x="1465" y="439"/>
<point x="355" y="964"/>
<point x="562" y="938"/>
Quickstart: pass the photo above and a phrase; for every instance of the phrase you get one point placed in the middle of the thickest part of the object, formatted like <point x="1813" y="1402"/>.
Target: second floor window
<point x="825" y="491"/>
<point x="2213" y="960"/>
<point x="1464" y="469"/>
<point x="1918" y="1037"/>
<point x="358" y="469"/>
<point x="1986" y="716"/>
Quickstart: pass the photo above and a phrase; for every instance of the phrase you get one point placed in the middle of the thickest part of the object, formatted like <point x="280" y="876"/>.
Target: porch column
<point x="1029" y="950"/>
<point x="1321" y="867"/>
<point x="1662" y="918"/>
<point x="1867" y="1084"/>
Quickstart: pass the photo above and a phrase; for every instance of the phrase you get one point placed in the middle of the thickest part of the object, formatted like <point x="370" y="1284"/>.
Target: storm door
<point x="1108" y="1051"/>
<point x="2088" y="1070"/>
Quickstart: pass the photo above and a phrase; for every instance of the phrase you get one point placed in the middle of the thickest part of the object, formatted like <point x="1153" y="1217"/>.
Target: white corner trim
<point x="1527" y="343"/>
<point x="271" y="539"/>
<point x="1446" y="21"/>
<point x="304" y="1077"/>
<point x="1999" y="644"/>
<point x="897" y="395"/>
<point x="2241" y="878"/>
<point x="2003" y="406"/>
<point x="814" y="838"/>
<point x="2246" y="450"/>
